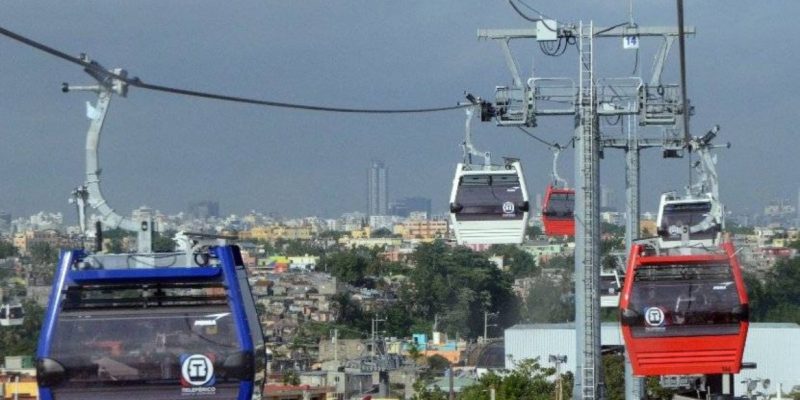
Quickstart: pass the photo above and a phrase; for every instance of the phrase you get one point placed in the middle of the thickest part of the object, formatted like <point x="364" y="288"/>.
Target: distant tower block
<point x="606" y="197"/>
<point x="204" y="209"/>
<point x="377" y="189"/>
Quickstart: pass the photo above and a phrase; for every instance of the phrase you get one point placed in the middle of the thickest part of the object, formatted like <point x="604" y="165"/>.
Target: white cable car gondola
<point x="11" y="315"/>
<point x="695" y="219"/>
<point x="489" y="205"/>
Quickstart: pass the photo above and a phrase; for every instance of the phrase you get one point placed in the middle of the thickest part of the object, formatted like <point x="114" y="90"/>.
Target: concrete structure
<point x="772" y="346"/>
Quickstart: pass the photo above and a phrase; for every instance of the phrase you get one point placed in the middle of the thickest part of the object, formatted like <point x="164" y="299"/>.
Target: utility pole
<point x="558" y="360"/>
<point x="374" y="334"/>
<point x="335" y="340"/>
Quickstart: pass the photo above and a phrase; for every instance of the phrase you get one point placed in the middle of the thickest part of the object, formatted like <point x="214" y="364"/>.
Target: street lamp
<point x="486" y="323"/>
<point x="558" y="359"/>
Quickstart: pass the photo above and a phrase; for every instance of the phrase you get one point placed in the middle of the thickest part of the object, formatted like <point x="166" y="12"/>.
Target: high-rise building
<point x="607" y="198"/>
<point x="405" y="206"/>
<point x="204" y="209"/>
<point x="377" y="189"/>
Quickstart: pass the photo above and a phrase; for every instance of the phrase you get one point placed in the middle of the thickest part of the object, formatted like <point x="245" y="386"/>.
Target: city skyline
<point x="165" y="151"/>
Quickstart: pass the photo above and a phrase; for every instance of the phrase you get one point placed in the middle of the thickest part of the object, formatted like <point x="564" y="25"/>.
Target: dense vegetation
<point x="776" y="297"/>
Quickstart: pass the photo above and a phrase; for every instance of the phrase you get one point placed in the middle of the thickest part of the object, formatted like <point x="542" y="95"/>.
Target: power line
<point x="136" y="82"/>
<point x="553" y="145"/>
<point x="535" y="10"/>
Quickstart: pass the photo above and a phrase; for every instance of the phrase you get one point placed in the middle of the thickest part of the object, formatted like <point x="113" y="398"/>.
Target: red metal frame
<point x="682" y="355"/>
<point x="557" y="225"/>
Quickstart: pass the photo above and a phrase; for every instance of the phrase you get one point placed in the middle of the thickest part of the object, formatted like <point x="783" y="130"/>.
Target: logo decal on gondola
<point x="654" y="316"/>
<point x="508" y="207"/>
<point x="197" y="374"/>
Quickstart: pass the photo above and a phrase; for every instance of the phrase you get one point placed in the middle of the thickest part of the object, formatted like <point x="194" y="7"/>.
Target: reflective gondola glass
<point x="558" y="212"/>
<point x="489" y="206"/>
<point x="684" y="314"/>
<point x="692" y="219"/>
<point x="610" y="287"/>
<point x="11" y="315"/>
<point x="155" y="333"/>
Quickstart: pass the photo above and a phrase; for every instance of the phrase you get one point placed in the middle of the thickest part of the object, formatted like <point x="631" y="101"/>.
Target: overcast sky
<point x="165" y="151"/>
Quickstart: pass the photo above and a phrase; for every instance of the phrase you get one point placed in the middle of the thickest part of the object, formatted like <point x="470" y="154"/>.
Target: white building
<point x="772" y="346"/>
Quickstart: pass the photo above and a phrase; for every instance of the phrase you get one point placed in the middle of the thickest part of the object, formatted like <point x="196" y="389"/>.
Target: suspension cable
<point x="136" y="82"/>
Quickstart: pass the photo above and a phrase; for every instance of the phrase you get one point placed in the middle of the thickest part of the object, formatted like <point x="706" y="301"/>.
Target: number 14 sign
<point x="630" y="42"/>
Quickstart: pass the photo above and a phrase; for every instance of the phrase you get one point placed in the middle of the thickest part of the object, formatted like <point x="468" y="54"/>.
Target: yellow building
<point x="374" y="242"/>
<point x="363" y="233"/>
<point x="273" y="232"/>
<point x="23" y="241"/>
<point x="26" y="388"/>
<point x="421" y="229"/>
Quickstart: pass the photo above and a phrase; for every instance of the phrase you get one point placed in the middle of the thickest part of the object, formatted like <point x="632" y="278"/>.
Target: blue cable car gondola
<point x="151" y="332"/>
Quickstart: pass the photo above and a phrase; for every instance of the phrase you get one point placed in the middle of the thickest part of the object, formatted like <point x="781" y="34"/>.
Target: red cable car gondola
<point x="684" y="311"/>
<point x="558" y="215"/>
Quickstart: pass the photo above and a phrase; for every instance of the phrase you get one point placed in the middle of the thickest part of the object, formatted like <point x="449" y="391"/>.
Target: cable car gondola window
<point x="560" y="205"/>
<point x="684" y="300"/>
<point x="677" y="215"/>
<point x="109" y="348"/>
<point x="15" y="312"/>
<point x="490" y="197"/>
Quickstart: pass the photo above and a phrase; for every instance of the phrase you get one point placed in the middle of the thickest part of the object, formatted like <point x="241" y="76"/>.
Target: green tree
<point x="350" y="313"/>
<point x="43" y="260"/>
<point x="349" y="266"/>
<point x="398" y="320"/>
<point x="606" y="246"/>
<point x="298" y="247"/>
<point x="42" y="253"/>
<point x="421" y="392"/>
<point x="413" y="352"/>
<point x="163" y="243"/>
<point x="778" y="298"/>
<point x="7" y="249"/>
<point x="22" y="340"/>
<point x="655" y="391"/>
<point x="290" y="377"/>
<point x="533" y="231"/>
<point x="115" y="246"/>
<point x="459" y="285"/>
<point x="117" y="233"/>
<point x="616" y="230"/>
<point x="381" y="233"/>
<point x="548" y="301"/>
<point x="520" y="263"/>
<point x="529" y="380"/>
<point x="437" y="364"/>
<point x="560" y="262"/>
<point x="614" y="368"/>
<point x="335" y="235"/>
<point x="739" y="229"/>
